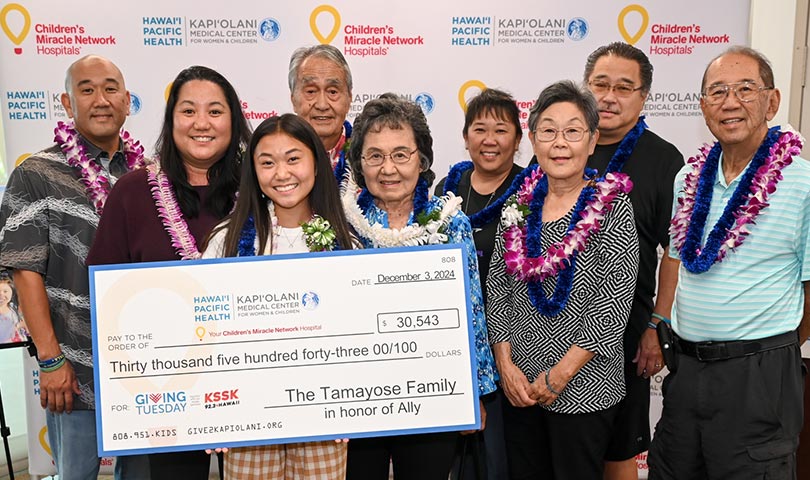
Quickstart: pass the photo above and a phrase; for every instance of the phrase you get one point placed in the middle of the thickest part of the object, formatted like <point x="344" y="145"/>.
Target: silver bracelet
<point x="548" y="384"/>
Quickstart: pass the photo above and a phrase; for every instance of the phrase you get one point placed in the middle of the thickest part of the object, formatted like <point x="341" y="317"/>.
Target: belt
<point x="711" y="351"/>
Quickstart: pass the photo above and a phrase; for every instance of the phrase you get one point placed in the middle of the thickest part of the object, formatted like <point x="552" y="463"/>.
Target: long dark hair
<point x="324" y="197"/>
<point x="223" y="176"/>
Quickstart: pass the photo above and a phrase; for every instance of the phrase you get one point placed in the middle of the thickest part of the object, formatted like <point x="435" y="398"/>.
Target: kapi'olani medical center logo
<point x="51" y="38"/>
<point x="167" y="31"/>
<point x="477" y="31"/>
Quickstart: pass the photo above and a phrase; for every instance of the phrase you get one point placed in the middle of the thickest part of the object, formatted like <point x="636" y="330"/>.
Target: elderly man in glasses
<point x="620" y="75"/>
<point x="733" y="403"/>
<point x="321" y="93"/>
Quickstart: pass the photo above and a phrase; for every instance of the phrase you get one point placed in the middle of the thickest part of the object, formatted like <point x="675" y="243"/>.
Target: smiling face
<point x="561" y="159"/>
<point x="285" y="170"/>
<point x="202" y="123"/>
<point x="391" y="183"/>
<point x="732" y="122"/>
<point x="492" y="144"/>
<point x="98" y="101"/>
<point x="322" y="98"/>
<point x="617" y="115"/>
<point x="5" y="294"/>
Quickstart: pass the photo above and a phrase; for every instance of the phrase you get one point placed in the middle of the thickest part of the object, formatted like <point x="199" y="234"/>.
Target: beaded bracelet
<point x="53" y="368"/>
<point x="52" y="364"/>
<point x="548" y="384"/>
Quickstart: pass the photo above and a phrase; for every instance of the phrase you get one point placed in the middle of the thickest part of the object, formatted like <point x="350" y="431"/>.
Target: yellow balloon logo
<point x="313" y="18"/>
<point x="21" y="158"/>
<point x="645" y="20"/>
<point x="200" y="331"/>
<point x="43" y="440"/>
<point x="166" y="92"/>
<point x="16" y="38"/>
<point x="462" y="92"/>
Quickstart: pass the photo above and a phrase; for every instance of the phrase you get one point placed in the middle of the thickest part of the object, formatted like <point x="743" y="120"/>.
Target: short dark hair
<point x="566" y="91"/>
<point x="627" y="51"/>
<point x="392" y="111"/>
<point x="324" y="197"/>
<point x="765" y="68"/>
<point x="223" y="176"/>
<point x="495" y="103"/>
<point x="323" y="51"/>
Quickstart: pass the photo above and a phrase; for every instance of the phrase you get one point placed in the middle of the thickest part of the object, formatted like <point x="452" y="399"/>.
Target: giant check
<point x="282" y="349"/>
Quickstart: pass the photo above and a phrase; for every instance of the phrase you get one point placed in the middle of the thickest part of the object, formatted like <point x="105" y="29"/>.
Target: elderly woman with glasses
<point x="559" y="292"/>
<point x="390" y="158"/>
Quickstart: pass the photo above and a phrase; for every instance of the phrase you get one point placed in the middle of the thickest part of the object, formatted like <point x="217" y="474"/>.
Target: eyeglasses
<point x="376" y="159"/>
<point x="622" y="90"/>
<point x="570" y="134"/>
<point x="744" y="91"/>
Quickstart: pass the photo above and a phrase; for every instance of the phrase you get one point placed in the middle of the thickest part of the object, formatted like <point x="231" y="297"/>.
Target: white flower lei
<point x="410" y="235"/>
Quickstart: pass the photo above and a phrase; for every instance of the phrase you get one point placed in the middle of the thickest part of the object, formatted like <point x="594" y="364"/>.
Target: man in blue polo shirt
<point x="733" y="404"/>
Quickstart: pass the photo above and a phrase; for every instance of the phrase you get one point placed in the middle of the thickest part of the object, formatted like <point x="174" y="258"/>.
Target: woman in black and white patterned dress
<point x="560" y="287"/>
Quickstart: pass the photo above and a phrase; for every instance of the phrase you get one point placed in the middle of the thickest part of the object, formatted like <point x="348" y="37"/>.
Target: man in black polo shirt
<point x="620" y="76"/>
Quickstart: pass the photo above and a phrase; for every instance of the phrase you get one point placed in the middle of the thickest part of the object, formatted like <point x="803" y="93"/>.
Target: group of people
<point x="568" y="294"/>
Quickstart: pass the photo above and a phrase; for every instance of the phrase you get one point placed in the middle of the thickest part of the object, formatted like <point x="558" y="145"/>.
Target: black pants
<point x="737" y="418"/>
<point x="176" y="465"/>
<point x="484" y="451"/>
<point x="556" y="446"/>
<point x="415" y="457"/>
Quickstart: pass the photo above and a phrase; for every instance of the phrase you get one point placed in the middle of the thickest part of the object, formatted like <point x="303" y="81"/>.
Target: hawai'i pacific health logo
<point x="310" y="300"/>
<point x="269" y="29"/>
<point x="321" y="35"/>
<point x="425" y="101"/>
<point x="15" y="28"/>
<point x="577" y="29"/>
<point x="163" y="31"/>
<point x="638" y="14"/>
<point x="475" y="85"/>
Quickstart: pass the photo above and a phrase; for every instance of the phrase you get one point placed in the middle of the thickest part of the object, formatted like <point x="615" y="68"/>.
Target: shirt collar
<point x="334" y="153"/>
<point x="95" y="152"/>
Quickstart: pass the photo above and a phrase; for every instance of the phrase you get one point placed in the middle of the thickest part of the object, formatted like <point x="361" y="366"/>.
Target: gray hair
<point x="324" y="51"/>
<point x="566" y="91"/>
<point x="765" y="69"/>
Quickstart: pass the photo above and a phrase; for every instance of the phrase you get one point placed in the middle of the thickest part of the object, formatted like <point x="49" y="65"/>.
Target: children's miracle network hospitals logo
<point x="15" y="30"/>
<point x="313" y="23"/>
<point x="51" y="39"/>
<point x="633" y="11"/>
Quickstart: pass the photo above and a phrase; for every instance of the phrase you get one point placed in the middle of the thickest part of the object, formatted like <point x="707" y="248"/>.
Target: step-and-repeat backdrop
<point x="438" y="54"/>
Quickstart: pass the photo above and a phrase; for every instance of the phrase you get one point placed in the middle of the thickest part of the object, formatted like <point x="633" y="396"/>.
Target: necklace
<point x="626" y="147"/>
<point x="522" y="221"/>
<point x="465" y="205"/>
<point x="318" y="234"/>
<point x="339" y="166"/>
<point x="489" y="213"/>
<point x="431" y="218"/>
<point x="279" y="232"/>
<point x="758" y="182"/>
<point x="170" y="214"/>
<point x="92" y="176"/>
